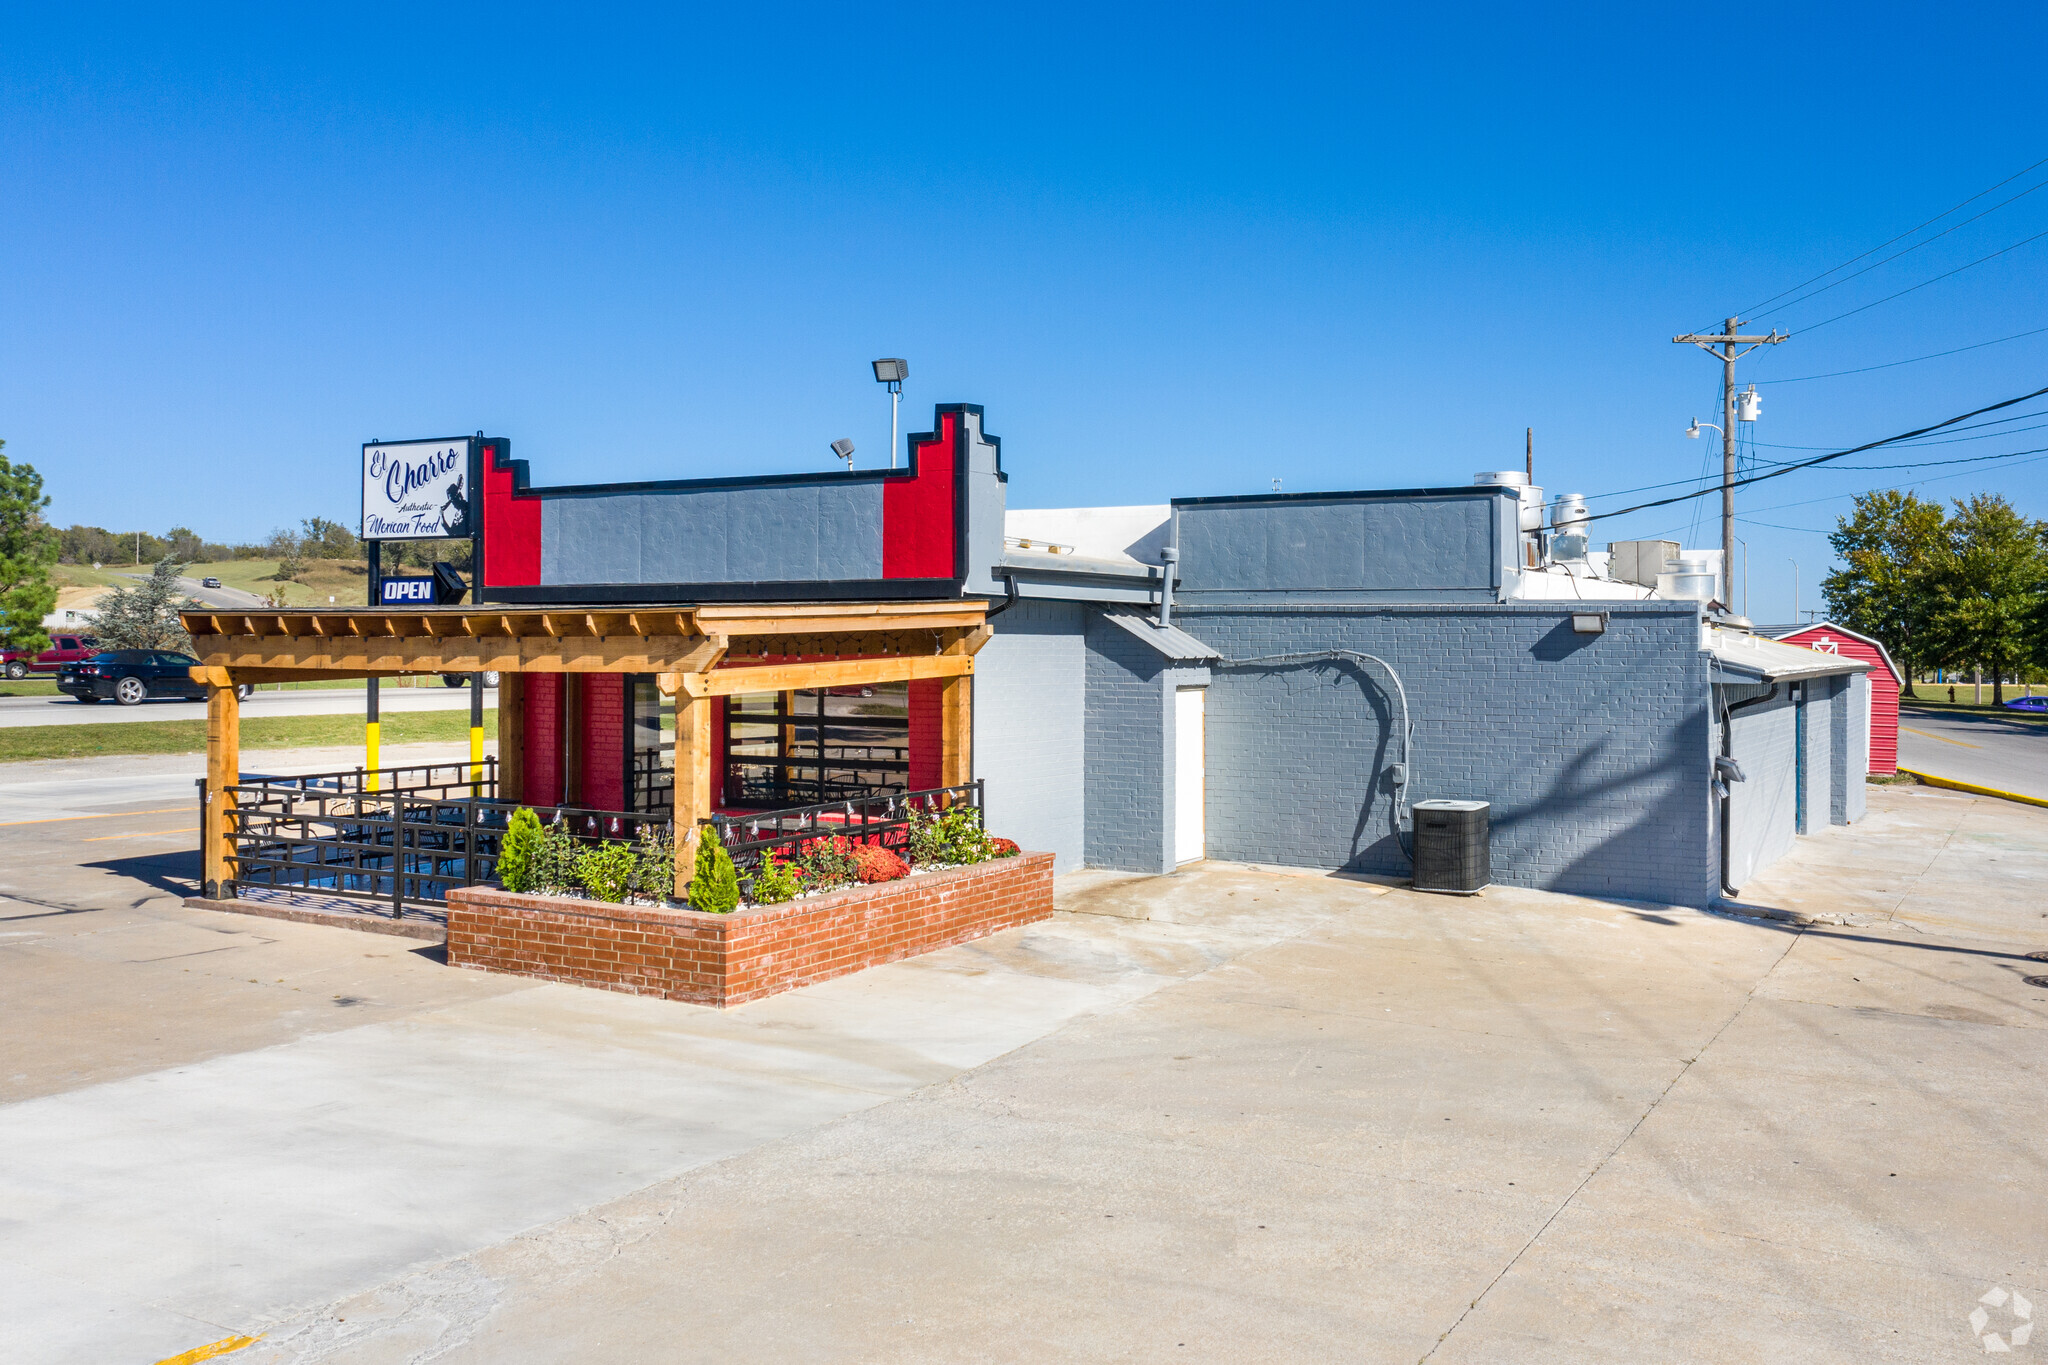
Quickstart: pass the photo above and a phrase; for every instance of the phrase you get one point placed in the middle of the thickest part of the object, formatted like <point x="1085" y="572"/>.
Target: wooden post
<point x="692" y="774"/>
<point x="512" y="737"/>
<point x="223" y="770"/>
<point x="956" y="711"/>
<point x="956" y="731"/>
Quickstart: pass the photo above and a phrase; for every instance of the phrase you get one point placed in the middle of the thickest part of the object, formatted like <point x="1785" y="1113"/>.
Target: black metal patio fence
<point x="390" y="835"/>
<point x="882" y="819"/>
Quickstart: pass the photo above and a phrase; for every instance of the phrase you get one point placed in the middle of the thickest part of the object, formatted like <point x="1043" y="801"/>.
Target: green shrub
<point x="516" y="851"/>
<point x="775" y="883"/>
<point x="553" y="869"/>
<point x="606" y="870"/>
<point x="654" y="864"/>
<point x="827" y="863"/>
<point x="953" y="835"/>
<point x="715" y="883"/>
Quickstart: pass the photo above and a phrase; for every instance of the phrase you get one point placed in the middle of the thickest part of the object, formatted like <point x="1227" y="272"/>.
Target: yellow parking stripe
<point x="1943" y="738"/>
<point x="208" y="1352"/>
<point x="110" y="815"/>
<point x="145" y="834"/>
<point x="1931" y="780"/>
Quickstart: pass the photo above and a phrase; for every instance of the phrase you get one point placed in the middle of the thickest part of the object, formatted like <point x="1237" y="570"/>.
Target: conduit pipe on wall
<point x="1728" y="758"/>
<point x="1402" y="772"/>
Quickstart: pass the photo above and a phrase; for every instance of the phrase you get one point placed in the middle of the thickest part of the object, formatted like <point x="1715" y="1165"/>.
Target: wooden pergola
<point x="696" y="653"/>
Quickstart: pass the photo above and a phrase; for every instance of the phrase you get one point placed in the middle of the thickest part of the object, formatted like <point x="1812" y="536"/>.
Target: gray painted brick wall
<point x="1856" y="750"/>
<point x="1820" y="753"/>
<point x="1403" y="547"/>
<point x="1595" y="751"/>
<point x="1030" y="685"/>
<point x="781" y="532"/>
<point x="1129" y="749"/>
<point x="1761" y="823"/>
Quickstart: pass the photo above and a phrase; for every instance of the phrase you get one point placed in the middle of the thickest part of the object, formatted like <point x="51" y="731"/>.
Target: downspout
<point x="1009" y="596"/>
<point x="1727" y="770"/>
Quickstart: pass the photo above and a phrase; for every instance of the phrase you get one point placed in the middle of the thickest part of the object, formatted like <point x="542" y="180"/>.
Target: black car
<point x="130" y="676"/>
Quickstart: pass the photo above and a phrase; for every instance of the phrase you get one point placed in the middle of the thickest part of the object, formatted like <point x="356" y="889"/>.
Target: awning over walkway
<point x="1753" y="656"/>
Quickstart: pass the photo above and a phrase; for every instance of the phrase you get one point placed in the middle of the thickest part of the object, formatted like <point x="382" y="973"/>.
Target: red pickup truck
<point x="64" y="649"/>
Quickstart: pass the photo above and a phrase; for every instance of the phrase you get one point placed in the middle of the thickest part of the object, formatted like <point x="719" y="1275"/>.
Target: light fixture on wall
<point x="893" y="373"/>
<point x="843" y="448"/>
<point x="1589" y="622"/>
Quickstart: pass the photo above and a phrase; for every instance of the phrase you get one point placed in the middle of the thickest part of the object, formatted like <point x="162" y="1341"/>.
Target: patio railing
<point x="883" y="819"/>
<point x="405" y="838"/>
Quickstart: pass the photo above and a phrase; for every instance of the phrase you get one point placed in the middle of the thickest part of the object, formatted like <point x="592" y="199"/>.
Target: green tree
<point x="517" y="849"/>
<point x="1893" y="547"/>
<point x="715" y="883"/>
<point x="1990" y="585"/>
<point x="28" y="547"/>
<point x="146" y="615"/>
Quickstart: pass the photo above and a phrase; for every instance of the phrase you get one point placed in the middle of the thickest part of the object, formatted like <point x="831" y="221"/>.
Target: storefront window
<point x="813" y="746"/>
<point x="650" y="748"/>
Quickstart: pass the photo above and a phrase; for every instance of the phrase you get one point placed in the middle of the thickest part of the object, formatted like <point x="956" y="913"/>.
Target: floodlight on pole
<point x="893" y="373"/>
<point x="843" y="448"/>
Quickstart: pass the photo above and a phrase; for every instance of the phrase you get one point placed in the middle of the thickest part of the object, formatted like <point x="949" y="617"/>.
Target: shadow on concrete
<point x="175" y="873"/>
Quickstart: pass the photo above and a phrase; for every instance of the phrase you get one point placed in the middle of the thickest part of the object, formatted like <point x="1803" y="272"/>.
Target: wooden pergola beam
<point x="732" y="682"/>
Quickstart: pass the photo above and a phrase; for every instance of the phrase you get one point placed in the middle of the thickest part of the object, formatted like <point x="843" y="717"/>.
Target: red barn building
<point x="1884" y="675"/>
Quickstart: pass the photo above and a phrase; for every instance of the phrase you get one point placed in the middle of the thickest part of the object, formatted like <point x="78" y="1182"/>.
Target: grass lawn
<point x="28" y="687"/>
<point x="21" y="743"/>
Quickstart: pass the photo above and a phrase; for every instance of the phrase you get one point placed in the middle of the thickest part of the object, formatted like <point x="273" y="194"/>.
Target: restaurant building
<point x="1272" y="679"/>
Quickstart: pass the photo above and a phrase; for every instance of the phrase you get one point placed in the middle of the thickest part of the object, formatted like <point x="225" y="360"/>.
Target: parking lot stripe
<point x="110" y="815"/>
<point x="140" y="834"/>
<point x="209" y="1351"/>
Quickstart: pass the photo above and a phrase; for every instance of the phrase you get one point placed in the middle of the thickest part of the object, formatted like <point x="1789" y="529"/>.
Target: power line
<point x="1894" y="364"/>
<point x="1864" y="468"/>
<point x="1836" y="497"/>
<point x="1901" y="237"/>
<point x="1823" y="459"/>
<point x="1950" y="441"/>
<point x="1924" y="283"/>
<point x="1955" y="227"/>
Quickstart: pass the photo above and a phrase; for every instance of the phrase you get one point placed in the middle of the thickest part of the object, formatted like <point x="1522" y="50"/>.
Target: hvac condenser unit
<point x="1453" y="846"/>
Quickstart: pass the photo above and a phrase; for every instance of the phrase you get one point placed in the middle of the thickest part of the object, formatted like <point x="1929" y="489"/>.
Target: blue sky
<point x="1173" y="251"/>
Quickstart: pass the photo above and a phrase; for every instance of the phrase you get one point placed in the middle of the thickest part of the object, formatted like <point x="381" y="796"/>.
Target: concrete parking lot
<point x="1235" y="1114"/>
<point x="2006" y="753"/>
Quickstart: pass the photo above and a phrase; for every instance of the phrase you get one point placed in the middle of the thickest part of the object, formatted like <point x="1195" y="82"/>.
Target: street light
<point x="843" y="448"/>
<point x="892" y="373"/>
<point x="1692" y="433"/>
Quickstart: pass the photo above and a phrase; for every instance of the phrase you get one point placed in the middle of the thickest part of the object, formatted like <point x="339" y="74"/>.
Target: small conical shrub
<point x="515" y="853"/>
<point x="715" y="885"/>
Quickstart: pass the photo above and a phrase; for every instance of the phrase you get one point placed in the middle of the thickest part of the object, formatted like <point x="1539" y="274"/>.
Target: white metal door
<point x="1187" y="770"/>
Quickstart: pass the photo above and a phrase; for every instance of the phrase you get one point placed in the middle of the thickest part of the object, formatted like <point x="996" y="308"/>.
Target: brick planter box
<point x="727" y="959"/>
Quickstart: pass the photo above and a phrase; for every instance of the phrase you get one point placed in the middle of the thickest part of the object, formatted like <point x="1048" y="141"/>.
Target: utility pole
<point x="1529" y="453"/>
<point x="1726" y="344"/>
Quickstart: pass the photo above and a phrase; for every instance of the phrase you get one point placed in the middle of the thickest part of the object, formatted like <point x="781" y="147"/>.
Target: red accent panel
<point x="718" y="753"/>
<point x="918" y="527"/>
<point x="604" y="741"/>
<point x="927" y="733"/>
<point x="543" y="740"/>
<point x="1884" y="690"/>
<point x="511" y="530"/>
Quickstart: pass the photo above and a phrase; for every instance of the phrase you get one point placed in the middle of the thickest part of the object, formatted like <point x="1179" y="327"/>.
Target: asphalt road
<point x="312" y="701"/>
<point x="1990" y="751"/>
<point x="221" y="597"/>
